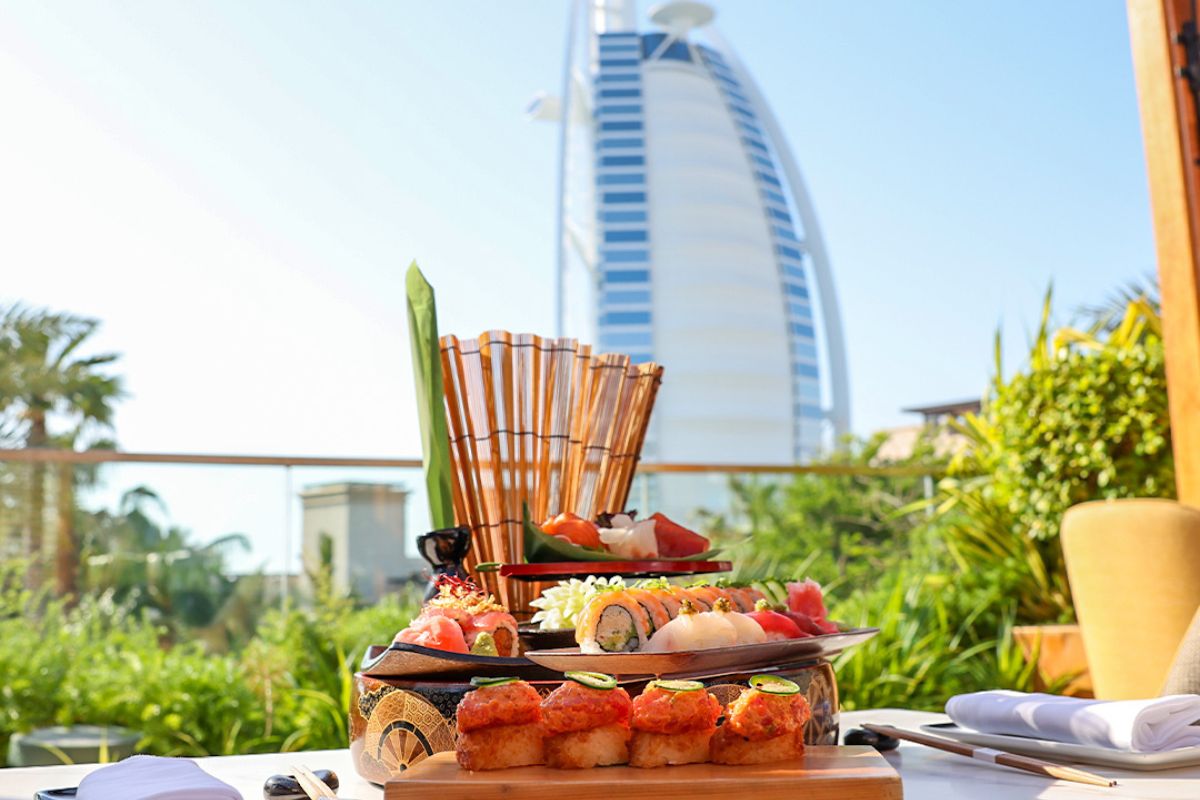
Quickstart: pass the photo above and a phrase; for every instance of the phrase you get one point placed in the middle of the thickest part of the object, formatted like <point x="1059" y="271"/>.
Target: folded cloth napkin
<point x="1145" y="726"/>
<point x="154" y="778"/>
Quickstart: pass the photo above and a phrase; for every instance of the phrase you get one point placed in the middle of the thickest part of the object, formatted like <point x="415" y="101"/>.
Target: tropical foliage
<point x="1085" y="419"/>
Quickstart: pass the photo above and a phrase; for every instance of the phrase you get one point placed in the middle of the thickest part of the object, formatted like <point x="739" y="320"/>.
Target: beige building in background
<point x="366" y="525"/>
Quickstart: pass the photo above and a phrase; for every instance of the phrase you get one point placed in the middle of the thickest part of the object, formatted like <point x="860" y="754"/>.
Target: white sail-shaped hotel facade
<point x="687" y="237"/>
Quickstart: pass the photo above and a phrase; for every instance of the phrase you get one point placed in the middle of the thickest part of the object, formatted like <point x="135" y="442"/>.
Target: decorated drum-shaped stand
<point x="398" y="722"/>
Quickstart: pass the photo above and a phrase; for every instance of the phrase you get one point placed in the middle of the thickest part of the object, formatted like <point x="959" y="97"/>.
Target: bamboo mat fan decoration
<point x="538" y="421"/>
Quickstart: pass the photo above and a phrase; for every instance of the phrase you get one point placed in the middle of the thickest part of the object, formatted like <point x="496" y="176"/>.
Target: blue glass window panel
<point x="800" y="311"/>
<point x="675" y="51"/>
<point x="627" y="276"/>
<point x="624" y="236"/>
<point x="625" y="298"/>
<point x="614" y="339"/>
<point x="602" y="110"/>
<point x="790" y="252"/>
<point x="748" y="128"/>
<point x="626" y="318"/>
<point x="779" y="215"/>
<point x="808" y="351"/>
<point x="762" y="176"/>
<point x="624" y="197"/>
<point x="755" y="143"/>
<point x="798" y="274"/>
<point x="801" y="330"/>
<point x="785" y="233"/>
<point x="776" y="196"/>
<point x="621" y="178"/>
<point x="735" y="95"/>
<point x="618" y="62"/>
<point x="618" y="77"/>
<point x="620" y="93"/>
<point x="624" y="256"/>
<point x="610" y="36"/>
<point x="623" y="216"/>
<point x="623" y="161"/>
<point x="810" y="412"/>
<point x="807" y="389"/>
<point x="622" y="125"/>
<point x="729" y="83"/>
<point x="762" y="162"/>
<point x="615" y="143"/>
<point x="745" y="112"/>
<point x="607" y="47"/>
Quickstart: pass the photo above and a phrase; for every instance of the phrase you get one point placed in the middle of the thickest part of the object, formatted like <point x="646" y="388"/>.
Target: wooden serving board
<point x="823" y="773"/>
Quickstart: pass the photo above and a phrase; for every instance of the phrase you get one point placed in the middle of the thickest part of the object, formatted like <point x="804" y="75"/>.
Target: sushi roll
<point x="764" y="724"/>
<point x="693" y="630"/>
<point x="500" y="626"/>
<point x="653" y="604"/>
<point x="744" y="597"/>
<point x="703" y="597"/>
<point x="612" y="622"/>
<point x="499" y="725"/>
<point x="673" y="723"/>
<point x="586" y="721"/>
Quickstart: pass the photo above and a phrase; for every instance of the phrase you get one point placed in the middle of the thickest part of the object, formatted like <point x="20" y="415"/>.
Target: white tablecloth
<point x="928" y="774"/>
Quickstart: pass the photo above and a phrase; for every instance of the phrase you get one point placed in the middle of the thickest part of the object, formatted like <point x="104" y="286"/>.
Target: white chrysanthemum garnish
<point x="559" y="606"/>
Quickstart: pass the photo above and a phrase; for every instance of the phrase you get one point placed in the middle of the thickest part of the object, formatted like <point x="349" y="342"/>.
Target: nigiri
<point x="438" y="633"/>
<point x="693" y="631"/>
<point x="747" y="628"/>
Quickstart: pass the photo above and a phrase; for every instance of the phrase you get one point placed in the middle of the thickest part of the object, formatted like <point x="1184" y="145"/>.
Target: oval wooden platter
<point x="694" y="662"/>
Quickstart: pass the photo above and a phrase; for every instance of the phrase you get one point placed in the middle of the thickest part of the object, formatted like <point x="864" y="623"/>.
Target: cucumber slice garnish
<point x="773" y="684"/>
<point x="481" y="683"/>
<point x="592" y="680"/>
<point x="679" y="686"/>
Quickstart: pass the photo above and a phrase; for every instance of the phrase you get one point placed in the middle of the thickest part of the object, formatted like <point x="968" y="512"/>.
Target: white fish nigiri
<point x="748" y="631"/>
<point x="633" y="540"/>
<point x="693" y="631"/>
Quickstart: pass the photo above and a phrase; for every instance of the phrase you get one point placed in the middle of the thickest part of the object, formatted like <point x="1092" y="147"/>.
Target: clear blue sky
<point x="234" y="188"/>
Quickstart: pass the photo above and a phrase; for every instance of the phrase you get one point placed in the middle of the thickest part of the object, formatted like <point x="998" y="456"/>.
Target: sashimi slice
<point x="438" y="633"/>
<point x="805" y="597"/>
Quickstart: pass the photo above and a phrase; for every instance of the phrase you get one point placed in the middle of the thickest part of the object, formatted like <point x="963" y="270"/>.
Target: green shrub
<point x="1085" y="419"/>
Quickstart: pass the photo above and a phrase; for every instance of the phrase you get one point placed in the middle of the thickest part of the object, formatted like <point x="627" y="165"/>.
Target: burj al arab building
<point x="686" y="236"/>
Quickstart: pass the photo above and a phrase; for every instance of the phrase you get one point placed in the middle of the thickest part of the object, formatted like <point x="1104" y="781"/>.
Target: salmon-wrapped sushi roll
<point x="704" y="597"/>
<point x="764" y="724"/>
<point x="744" y="597"/>
<point x="587" y="722"/>
<point x="671" y="597"/>
<point x="499" y="725"/>
<point x="653" y="604"/>
<point x="500" y="626"/>
<point x="612" y="622"/>
<point x="673" y="722"/>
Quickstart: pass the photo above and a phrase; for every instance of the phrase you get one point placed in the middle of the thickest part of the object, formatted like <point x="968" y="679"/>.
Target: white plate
<point x="1063" y="752"/>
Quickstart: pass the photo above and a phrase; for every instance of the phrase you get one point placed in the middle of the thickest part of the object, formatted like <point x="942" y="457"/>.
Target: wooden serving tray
<point x="823" y="773"/>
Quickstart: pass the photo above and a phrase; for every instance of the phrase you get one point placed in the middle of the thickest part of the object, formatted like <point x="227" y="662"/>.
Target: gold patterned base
<point x="396" y="723"/>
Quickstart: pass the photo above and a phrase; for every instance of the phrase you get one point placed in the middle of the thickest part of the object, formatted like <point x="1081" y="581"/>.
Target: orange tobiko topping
<point x="661" y="711"/>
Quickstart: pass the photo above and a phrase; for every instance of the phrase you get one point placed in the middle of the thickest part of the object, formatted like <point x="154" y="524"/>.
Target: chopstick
<point x="1034" y="765"/>
<point x="314" y="787"/>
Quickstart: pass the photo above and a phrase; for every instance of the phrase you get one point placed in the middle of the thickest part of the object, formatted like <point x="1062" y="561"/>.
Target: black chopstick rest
<point x="286" y="787"/>
<point x="871" y="739"/>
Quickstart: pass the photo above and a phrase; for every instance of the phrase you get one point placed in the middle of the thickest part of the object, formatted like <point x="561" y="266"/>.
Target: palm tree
<point x="42" y="377"/>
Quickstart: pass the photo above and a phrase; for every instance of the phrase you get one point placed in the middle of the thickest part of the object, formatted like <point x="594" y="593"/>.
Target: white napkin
<point x="154" y="778"/>
<point x="1144" y="726"/>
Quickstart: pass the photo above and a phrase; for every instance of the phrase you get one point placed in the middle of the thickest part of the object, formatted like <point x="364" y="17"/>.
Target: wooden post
<point x="1172" y="144"/>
